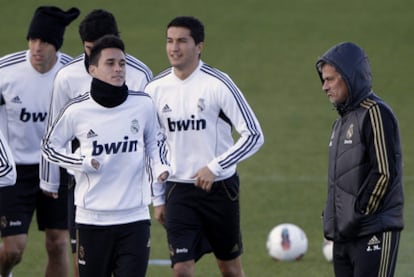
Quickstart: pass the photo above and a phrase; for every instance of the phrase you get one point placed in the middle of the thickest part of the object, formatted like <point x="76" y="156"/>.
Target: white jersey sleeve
<point x="155" y="141"/>
<point x="238" y="111"/>
<point x="7" y="165"/>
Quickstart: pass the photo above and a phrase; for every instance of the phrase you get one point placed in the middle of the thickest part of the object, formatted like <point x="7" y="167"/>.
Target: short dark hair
<point x="193" y="24"/>
<point x="107" y="41"/>
<point x="96" y="24"/>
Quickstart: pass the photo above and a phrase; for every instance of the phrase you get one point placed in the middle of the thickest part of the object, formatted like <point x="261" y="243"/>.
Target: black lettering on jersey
<point x="35" y="117"/>
<point x="114" y="147"/>
<point x="185" y="125"/>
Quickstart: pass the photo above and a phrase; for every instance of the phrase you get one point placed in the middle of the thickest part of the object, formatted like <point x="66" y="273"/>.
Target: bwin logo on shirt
<point x="35" y="117"/>
<point x="114" y="147"/>
<point x="185" y="125"/>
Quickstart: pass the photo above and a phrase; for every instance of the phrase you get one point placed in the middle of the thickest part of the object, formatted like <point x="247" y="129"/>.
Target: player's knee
<point x="13" y="256"/>
<point x="184" y="269"/>
<point x="231" y="268"/>
<point x="56" y="244"/>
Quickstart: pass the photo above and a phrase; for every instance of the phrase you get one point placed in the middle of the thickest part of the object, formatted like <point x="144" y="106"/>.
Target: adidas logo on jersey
<point x="16" y="100"/>
<point x="91" y="134"/>
<point x="166" y="109"/>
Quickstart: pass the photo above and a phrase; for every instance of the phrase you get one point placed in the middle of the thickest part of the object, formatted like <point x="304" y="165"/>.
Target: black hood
<point x="352" y="63"/>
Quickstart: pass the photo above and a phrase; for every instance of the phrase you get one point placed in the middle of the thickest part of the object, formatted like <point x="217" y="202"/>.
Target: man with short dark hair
<point x="74" y="79"/>
<point x="117" y="130"/>
<point x="198" y="107"/>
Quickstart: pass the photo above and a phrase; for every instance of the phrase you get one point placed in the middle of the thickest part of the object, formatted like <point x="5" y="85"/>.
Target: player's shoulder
<point x="213" y="71"/>
<point x="138" y="94"/>
<point x="64" y="58"/>
<point x="135" y="64"/>
<point x="13" y="59"/>
<point x="74" y="66"/>
<point x="77" y="102"/>
<point x="140" y="100"/>
<point x="213" y="75"/>
<point x="69" y="61"/>
<point x="162" y="76"/>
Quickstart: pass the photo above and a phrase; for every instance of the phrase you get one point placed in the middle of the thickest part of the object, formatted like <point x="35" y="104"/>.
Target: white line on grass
<point x="159" y="262"/>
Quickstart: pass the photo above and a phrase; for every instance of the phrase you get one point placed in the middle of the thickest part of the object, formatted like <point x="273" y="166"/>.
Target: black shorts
<point x="122" y="250"/>
<point x="18" y="203"/>
<point x="198" y="222"/>
<point x="368" y="256"/>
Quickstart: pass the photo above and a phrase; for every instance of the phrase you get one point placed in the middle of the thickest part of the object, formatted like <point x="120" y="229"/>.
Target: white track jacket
<point x="119" y="138"/>
<point x="74" y="80"/>
<point x="197" y="115"/>
<point x="25" y="97"/>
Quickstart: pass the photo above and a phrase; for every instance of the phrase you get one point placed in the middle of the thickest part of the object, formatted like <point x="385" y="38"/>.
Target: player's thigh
<point x="222" y="219"/>
<point x="183" y="221"/>
<point x="132" y="249"/>
<point x="95" y="250"/>
<point x="18" y="202"/>
<point x="53" y="213"/>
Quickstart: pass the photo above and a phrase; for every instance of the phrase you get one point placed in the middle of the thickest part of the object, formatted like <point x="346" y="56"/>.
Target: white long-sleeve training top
<point x="197" y="115"/>
<point x="119" y="138"/>
<point x="74" y="80"/>
<point x="25" y="97"/>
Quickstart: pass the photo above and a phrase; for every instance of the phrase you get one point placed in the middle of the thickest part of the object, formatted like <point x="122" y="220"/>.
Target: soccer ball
<point x="327" y="249"/>
<point x="287" y="242"/>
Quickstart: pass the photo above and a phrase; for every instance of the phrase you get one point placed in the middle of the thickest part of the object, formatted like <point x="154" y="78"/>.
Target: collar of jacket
<point x="108" y="95"/>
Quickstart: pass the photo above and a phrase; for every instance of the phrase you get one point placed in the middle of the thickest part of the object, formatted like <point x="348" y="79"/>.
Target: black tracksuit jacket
<point x="365" y="190"/>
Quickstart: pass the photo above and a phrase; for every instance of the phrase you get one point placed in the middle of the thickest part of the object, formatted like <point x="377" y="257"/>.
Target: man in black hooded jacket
<point x="364" y="207"/>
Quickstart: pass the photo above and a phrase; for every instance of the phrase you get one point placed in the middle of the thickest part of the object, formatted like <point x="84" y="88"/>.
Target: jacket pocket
<point x="347" y="216"/>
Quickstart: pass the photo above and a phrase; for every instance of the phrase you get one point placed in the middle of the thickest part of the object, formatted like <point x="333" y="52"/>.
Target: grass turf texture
<point x="269" y="48"/>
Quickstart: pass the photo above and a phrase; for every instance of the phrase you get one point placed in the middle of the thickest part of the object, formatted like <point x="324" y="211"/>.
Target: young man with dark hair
<point x="198" y="106"/>
<point x="117" y="130"/>
<point x="73" y="80"/>
<point x="25" y="89"/>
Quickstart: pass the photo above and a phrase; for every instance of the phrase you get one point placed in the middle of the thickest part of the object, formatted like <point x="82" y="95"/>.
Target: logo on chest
<point x="123" y="146"/>
<point x="349" y="134"/>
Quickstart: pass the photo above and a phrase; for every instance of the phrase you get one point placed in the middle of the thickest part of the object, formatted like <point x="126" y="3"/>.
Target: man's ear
<point x="92" y="69"/>
<point x="200" y="47"/>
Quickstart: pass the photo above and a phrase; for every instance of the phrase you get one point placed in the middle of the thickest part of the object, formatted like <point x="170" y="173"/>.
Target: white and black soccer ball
<point x="287" y="242"/>
<point x="327" y="249"/>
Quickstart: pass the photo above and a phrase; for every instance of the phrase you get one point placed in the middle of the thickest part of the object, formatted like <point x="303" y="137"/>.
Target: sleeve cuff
<point x="49" y="187"/>
<point x="158" y="194"/>
<point x="158" y="200"/>
<point x="214" y="167"/>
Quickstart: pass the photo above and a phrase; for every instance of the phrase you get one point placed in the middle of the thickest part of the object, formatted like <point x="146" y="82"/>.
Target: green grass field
<point x="269" y="48"/>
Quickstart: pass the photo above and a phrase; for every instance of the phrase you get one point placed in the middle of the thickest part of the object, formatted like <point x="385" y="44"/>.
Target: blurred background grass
<point x="269" y="48"/>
